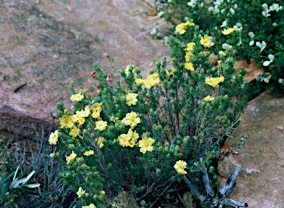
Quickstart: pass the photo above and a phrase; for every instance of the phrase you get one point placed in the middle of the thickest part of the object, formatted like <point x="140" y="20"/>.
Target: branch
<point x="194" y="190"/>
<point x="231" y="183"/>
<point x="206" y="182"/>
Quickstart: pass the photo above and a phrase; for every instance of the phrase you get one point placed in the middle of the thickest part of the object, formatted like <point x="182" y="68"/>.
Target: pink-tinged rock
<point x="260" y="182"/>
<point x="47" y="44"/>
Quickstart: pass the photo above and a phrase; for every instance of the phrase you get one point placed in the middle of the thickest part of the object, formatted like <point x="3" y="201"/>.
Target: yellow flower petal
<point x="228" y="31"/>
<point x="101" y="125"/>
<point x="53" y="138"/>
<point x="214" y="82"/>
<point x="180" y="166"/>
<point x="89" y="153"/>
<point x="146" y="145"/>
<point x="131" y="99"/>
<point x="71" y="157"/>
<point x="80" y="192"/>
<point x="205" y="41"/>
<point x="77" y="97"/>
<point x="139" y="81"/>
<point x="208" y="98"/>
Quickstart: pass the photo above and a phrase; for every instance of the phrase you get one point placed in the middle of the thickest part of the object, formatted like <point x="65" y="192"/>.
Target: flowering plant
<point x="140" y="135"/>
<point x="254" y="28"/>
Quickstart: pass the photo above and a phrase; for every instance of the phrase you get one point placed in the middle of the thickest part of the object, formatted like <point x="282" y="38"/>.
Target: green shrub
<point x="138" y="136"/>
<point x="256" y="31"/>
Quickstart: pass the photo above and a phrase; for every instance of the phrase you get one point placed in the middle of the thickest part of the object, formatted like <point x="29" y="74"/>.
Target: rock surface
<point x="260" y="182"/>
<point x="46" y="44"/>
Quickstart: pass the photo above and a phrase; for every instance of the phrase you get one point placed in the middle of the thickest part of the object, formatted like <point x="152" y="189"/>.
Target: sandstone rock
<point x="252" y="69"/>
<point x="45" y="45"/>
<point x="260" y="183"/>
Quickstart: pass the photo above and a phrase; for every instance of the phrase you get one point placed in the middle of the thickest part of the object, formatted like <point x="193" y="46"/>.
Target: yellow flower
<point x="96" y="114"/>
<point x="74" y="132"/>
<point x="89" y="153"/>
<point x="190" y="46"/>
<point x="214" y="81"/>
<point x="139" y="81"/>
<point x="80" y="192"/>
<point x="180" y="166"/>
<point x="77" y="97"/>
<point x="90" y="206"/>
<point x="152" y="80"/>
<point x="129" y="139"/>
<point x="146" y="145"/>
<point x="66" y="121"/>
<point x="205" y="41"/>
<point x="133" y="137"/>
<point x="53" y="138"/>
<point x="131" y="99"/>
<point x="181" y="27"/>
<point x="97" y="107"/>
<point x="81" y="120"/>
<point x="101" y="125"/>
<point x="131" y="119"/>
<point x="84" y="113"/>
<point x="171" y="72"/>
<point x="123" y="140"/>
<point x="127" y="70"/>
<point x="228" y="31"/>
<point x="100" y="142"/>
<point x="208" y="98"/>
<point x="189" y="66"/>
<point x="103" y="192"/>
<point x="71" y="157"/>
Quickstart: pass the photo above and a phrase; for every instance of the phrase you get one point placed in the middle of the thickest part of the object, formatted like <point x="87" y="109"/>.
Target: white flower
<point x="225" y="46"/>
<point x="238" y="26"/>
<point x="275" y="24"/>
<point x="271" y="58"/>
<point x="160" y="14"/>
<point x="264" y="78"/>
<point x="281" y="81"/>
<point x="224" y="24"/>
<point x="215" y="9"/>
<point x="218" y="2"/>
<point x="266" y="14"/>
<point x="232" y="11"/>
<point x="240" y="41"/>
<point x="192" y="3"/>
<point x="275" y="7"/>
<point x="235" y="6"/>
<point x="211" y="39"/>
<point x="261" y="45"/>
<point x="251" y="34"/>
<point x="265" y="6"/>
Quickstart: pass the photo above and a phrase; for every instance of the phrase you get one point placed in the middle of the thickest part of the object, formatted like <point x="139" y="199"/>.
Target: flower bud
<point x="158" y="171"/>
<point x="80" y="159"/>
<point x="71" y="146"/>
<point x="94" y="74"/>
